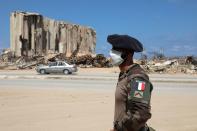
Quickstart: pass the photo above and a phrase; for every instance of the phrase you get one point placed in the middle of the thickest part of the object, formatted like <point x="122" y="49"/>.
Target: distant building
<point x="32" y="34"/>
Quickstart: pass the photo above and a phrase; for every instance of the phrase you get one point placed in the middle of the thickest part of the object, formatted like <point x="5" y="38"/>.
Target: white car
<point x="57" y="67"/>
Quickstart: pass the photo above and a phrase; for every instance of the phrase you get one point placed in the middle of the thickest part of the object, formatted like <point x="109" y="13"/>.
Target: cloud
<point x="173" y="44"/>
<point x="179" y="1"/>
<point x="179" y="48"/>
<point x="175" y="0"/>
<point x="185" y="44"/>
<point x="1" y="44"/>
<point x="103" y="49"/>
<point x="183" y="50"/>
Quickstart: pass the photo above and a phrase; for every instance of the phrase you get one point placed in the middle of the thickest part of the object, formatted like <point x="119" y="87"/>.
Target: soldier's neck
<point x="125" y="66"/>
<point x="127" y="63"/>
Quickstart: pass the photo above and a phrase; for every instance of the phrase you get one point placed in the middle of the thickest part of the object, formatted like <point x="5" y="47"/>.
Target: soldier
<point x="133" y="91"/>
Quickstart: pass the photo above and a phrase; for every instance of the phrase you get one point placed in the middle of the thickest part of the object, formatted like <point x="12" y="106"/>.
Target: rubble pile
<point x="186" y="65"/>
<point x="88" y="61"/>
<point x="9" y="61"/>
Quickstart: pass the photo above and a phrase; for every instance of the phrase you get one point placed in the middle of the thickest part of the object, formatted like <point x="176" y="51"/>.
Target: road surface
<point x="87" y="104"/>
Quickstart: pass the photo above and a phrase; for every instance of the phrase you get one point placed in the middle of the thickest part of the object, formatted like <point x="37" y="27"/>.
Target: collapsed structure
<point x="32" y="34"/>
<point x="38" y="40"/>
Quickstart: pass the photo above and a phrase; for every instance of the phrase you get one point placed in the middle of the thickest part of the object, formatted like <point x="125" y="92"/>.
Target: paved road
<point x="90" y="84"/>
<point x="37" y="83"/>
<point x="181" y="78"/>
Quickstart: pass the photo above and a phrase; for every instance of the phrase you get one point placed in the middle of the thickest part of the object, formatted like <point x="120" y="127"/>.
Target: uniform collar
<point x="131" y="67"/>
<point x="124" y="73"/>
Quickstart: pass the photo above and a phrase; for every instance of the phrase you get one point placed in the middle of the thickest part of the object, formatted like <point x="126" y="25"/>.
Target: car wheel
<point x="66" y="72"/>
<point x="42" y="71"/>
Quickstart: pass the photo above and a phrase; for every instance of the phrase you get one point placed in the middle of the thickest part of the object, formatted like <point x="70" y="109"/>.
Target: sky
<point x="168" y="25"/>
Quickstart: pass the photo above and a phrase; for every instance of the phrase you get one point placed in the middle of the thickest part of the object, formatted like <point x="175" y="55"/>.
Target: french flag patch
<point x="141" y="85"/>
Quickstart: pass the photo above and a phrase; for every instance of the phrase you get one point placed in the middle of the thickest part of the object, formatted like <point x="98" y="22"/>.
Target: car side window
<point x="61" y="64"/>
<point x="52" y="64"/>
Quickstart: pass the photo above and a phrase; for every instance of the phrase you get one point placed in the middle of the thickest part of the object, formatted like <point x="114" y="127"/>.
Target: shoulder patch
<point x="139" y="85"/>
<point x="140" y="90"/>
<point x="138" y="94"/>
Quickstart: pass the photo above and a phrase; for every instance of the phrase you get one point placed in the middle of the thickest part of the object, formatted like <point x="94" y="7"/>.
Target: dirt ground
<point x="67" y="109"/>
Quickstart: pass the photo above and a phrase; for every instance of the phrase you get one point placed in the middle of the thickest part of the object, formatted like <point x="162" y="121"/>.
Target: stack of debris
<point x="89" y="61"/>
<point x="176" y="65"/>
<point x="9" y="61"/>
<point x="179" y="65"/>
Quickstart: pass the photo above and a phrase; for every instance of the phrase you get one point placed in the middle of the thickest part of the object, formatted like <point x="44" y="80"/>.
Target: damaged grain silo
<point x="32" y="34"/>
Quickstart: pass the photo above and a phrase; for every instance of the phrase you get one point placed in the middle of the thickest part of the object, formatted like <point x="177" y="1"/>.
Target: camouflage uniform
<point x="132" y="100"/>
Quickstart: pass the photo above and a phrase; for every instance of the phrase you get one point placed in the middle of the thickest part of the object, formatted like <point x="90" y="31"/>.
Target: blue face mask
<point x="116" y="57"/>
